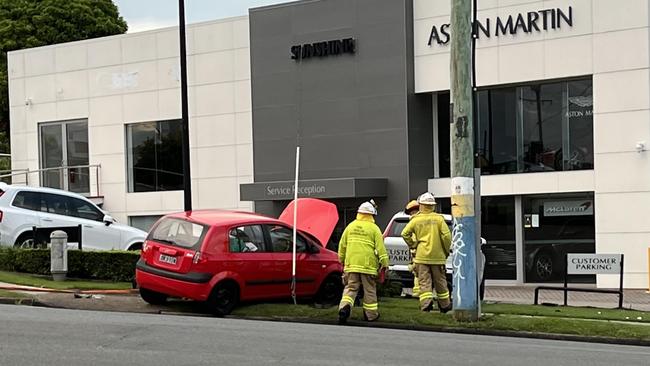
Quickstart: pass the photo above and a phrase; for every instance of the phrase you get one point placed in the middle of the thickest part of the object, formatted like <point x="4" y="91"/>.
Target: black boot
<point x="445" y="310"/>
<point x="344" y="314"/>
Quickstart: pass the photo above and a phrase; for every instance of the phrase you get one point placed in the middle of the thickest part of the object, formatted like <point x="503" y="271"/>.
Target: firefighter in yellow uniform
<point x="363" y="254"/>
<point x="429" y="235"/>
<point x="412" y="209"/>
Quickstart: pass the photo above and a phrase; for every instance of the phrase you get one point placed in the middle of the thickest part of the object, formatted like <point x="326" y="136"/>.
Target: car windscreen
<point x="178" y="232"/>
<point x="396" y="227"/>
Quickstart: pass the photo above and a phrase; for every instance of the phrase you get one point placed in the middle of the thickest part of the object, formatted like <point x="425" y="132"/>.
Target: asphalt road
<point x="53" y="337"/>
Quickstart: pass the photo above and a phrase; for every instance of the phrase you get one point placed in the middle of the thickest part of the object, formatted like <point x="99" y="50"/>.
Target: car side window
<point x="246" y="239"/>
<point x="282" y="240"/>
<point x="28" y="200"/>
<point x="84" y="210"/>
<point x="55" y="203"/>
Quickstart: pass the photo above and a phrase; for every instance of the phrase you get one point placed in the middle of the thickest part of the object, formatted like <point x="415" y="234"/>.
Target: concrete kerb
<point x="354" y="323"/>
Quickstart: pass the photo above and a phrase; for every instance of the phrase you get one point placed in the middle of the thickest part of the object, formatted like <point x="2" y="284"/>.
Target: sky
<point x="143" y="15"/>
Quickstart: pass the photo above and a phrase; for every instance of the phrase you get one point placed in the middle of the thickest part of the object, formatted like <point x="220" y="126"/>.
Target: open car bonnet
<point x="315" y="217"/>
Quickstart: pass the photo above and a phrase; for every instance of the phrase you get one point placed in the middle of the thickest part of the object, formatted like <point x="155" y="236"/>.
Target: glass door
<point x="64" y="145"/>
<point x="553" y="226"/>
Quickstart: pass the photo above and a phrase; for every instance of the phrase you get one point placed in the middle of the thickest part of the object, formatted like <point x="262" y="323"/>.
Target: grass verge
<point x="40" y="281"/>
<point x="568" y="312"/>
<point x="405" y="312"/>
<point x="13" y="295"/>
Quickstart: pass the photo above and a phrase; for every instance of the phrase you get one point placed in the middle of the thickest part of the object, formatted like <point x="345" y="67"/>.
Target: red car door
<point x="308" y="271"/>
<point x="251" y="259"/>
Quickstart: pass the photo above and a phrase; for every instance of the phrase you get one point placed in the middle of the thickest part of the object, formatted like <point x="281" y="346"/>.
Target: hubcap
<point x="544" y="267"/>
<point x="27" y="244"/>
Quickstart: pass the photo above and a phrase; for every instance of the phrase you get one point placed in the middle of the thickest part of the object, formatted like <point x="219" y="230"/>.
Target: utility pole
<point x="187" y="181"/>
<point x="464" y="240"/>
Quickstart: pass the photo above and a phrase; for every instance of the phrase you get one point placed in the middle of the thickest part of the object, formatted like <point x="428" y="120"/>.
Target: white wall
<point x="131" y="78"/>
<point x="609" y="40"/>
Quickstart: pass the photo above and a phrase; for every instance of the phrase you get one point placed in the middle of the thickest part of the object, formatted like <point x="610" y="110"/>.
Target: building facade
<point x="562" y="110"/>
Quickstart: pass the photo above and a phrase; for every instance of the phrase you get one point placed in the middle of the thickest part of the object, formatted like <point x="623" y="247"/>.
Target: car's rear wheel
<point x="153" y="297"/>
<point x="223" y="299"/>
<point x="330" y="291"/>
<point x="136" y="246"/>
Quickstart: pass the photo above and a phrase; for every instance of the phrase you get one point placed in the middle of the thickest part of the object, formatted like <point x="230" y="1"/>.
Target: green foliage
<point x="34" y="23"/>
<point x="109" y="265"/>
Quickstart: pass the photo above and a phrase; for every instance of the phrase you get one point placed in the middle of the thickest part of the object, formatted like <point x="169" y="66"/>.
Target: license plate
<point x="167" y="259"/>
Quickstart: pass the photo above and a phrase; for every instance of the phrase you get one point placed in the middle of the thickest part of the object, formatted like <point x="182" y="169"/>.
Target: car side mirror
<point x="108" y="219"/>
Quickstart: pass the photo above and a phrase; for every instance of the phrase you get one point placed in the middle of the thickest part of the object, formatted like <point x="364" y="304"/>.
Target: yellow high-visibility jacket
<point x="429" y="235"/>
<point x="361" y="249"/>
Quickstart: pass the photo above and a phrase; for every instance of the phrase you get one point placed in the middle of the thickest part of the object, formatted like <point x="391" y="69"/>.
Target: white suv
<point x="22" y="208"/>
<point x="399" y="255"/>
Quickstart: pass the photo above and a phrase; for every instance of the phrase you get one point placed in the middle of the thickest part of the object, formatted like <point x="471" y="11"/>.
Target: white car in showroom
<point x="22" y="208"/>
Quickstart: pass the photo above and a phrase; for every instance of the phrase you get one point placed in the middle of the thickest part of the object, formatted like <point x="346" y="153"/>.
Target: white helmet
<point x="367" y="208"/>
<point x="427" y="199"/>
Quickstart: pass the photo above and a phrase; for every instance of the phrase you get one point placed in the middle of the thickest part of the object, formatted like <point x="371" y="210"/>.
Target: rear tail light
<point x="145" y="248"/>
<point x="197" y="257"/>
<point x="1" y="214"/>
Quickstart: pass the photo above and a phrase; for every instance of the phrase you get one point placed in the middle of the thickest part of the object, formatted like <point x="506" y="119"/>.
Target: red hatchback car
<point x="224" y="257"/>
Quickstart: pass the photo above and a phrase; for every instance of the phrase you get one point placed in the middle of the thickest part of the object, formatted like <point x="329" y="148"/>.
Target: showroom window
<point x="143" y="222"/>
<point x="154" y="156"/>
<point x="533" y="128"/>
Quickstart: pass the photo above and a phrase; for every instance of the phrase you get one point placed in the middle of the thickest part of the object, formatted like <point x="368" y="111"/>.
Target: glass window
<point x="497" y="134"/>
<point x="143" y="222"/>
<point x="498" y="230"/>
<point x="246" y="239"/>
<point x="55" y="203"/>
<point x="282" y="240"/>
<point x="28" y="200"/>
<point x="542" y="108"/>
<point x="553" y="227"/>
<point x="178" y="232"/>
<point x="532" y="128"/>
<point x="154" y="156"/>
<point x="65" y="144"/>
<point x="581" y="127"/>
<point x="84" y="210"/>
<point x="397" y="226"/>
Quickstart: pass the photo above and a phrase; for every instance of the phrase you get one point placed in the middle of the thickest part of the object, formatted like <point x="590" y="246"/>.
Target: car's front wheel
<point x="330" y="291"/>
<point x="153" y="297"/>
<point x="223" y="299"/>
<point x="542" y="270"/>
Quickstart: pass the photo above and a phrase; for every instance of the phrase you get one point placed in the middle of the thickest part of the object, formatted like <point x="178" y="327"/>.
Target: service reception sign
<point x="594" y="264"/>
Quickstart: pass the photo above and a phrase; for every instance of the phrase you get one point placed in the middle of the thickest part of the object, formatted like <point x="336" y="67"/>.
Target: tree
<point x="34" y="23"/>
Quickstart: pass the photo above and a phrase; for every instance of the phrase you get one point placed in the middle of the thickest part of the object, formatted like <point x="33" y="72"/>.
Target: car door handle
<point x="48" y="220"/>
<point x="89" y="226"/>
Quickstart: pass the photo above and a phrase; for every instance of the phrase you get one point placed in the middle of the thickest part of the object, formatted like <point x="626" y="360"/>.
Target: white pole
<point x="295" y="220"/>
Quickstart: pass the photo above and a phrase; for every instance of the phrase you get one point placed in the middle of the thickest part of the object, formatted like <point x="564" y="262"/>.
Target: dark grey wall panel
<point x="349" y="113"/>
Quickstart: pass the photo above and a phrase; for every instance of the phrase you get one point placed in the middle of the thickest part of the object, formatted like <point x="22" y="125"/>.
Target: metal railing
<point x="75" y="178"/>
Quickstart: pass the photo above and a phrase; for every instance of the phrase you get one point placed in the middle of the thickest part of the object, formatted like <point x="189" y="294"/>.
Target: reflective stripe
<point x="383" y="256"/>
<point x="347" y="299"/>
<point x="374" y="306"/>
<point x="426" y="295"/>
<point x="443" y="295"/>
<point x="359" y="269"/>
